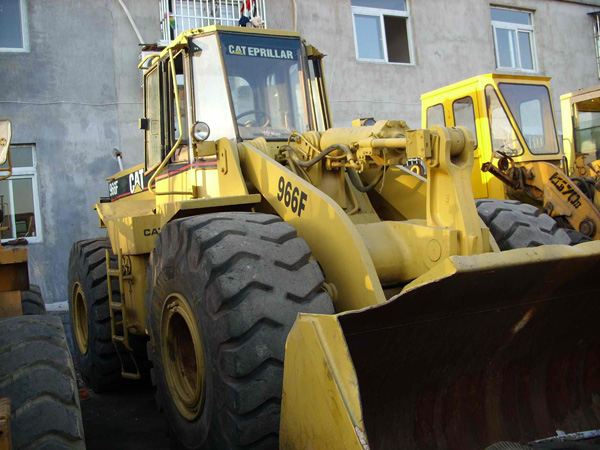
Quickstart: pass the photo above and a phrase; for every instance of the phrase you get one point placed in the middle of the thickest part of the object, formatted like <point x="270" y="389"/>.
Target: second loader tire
<point x="32" y="301"/>
<point x="36" y="373"/>
<point x="224" y="290"/>
<point x="519" y="225"/>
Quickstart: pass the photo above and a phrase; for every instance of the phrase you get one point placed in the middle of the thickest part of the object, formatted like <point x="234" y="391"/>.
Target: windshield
<point x="531" y="108"/>
<point x="266" y="81"/>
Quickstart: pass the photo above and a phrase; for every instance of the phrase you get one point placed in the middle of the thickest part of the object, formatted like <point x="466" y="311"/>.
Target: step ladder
<point x="120" y="340"/>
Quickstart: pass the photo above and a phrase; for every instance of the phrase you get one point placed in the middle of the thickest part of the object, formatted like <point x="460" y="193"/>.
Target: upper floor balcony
<point x="180" y="15"/>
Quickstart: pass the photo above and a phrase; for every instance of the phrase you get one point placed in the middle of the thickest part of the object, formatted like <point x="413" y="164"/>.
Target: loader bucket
<point x="487" y="348"/>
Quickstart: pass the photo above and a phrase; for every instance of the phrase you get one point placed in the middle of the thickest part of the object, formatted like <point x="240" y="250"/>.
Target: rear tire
<point x="32" y="301"/>
<point x="36" y="373"/>
<point x="96" y="355"/>
<point x="519" y="225"/>
<point x="244" y="277"/>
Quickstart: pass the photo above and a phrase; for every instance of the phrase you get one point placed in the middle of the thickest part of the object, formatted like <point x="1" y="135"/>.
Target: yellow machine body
<point x="513" y="120"/>
<point x="436" y="337"/>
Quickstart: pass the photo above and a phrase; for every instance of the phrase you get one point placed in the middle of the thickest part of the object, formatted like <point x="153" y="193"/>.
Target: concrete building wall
<point x="76" y="96"/>
<point x="451" y="41"/>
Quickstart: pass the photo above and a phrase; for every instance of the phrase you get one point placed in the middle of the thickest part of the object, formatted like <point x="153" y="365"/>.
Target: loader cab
<point x="510" y="114"/>
<point x="242" y="83"/>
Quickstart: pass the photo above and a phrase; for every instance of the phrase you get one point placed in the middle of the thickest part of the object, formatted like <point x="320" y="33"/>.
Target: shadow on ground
<point x="126" y="419"/>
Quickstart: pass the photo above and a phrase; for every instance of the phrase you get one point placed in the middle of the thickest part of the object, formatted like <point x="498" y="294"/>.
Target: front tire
<point x="224" y="292"/>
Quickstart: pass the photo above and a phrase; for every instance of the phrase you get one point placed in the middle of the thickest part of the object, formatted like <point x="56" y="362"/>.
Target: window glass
<point x="396" y="35"/>
<point x="6" y="205"/>
<point x="398" y="5"/>
<point x="273" y="100"/>
<point x="510" y="15"/>
<point x="587" y="132"/>
<point x="152" y="106"/>
<point x="11" y="33"/>
<point x="317" y="100"/>
<point x="382" y="30"/>
<point x="18" y="197"/>
<point x="513" y="39"/>
<point x="532" y="110"/>
<point x="525" y="50"/>
<point x="368" y="36"/>
<point x="21" y="156"/>
<point x="504" y="138"/>
<point x="182" y="152"/>
<point x="464" y="115"/>
<point x="211" y="96"/>
<point x="435" y="116"/>
<point x="23" y="207"/>
<point x="505" y="47"/>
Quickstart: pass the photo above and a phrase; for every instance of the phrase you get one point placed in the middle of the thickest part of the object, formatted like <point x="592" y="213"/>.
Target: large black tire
<point x="32" y="301"/>
<point x="36" y="373"/>
<point x="519" y="225"/>
<point x="246" y="276"/>
<point x="99" y="365"/>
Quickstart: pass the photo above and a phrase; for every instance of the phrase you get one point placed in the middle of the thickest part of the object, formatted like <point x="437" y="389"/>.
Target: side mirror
<point x="5" y="135"/>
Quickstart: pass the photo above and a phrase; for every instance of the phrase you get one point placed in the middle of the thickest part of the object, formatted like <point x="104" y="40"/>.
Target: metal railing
<point x="180" y="15"/>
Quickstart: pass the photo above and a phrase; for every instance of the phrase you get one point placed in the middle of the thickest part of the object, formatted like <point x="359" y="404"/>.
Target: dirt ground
<point x="124" y="420"/>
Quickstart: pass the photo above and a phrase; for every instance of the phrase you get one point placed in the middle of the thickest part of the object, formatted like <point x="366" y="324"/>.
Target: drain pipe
<point x="135" y="28"/>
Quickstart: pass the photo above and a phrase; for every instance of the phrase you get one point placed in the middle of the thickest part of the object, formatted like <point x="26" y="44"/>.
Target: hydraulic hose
<point x="358" y="184"/>
<point x="299" y="162"/>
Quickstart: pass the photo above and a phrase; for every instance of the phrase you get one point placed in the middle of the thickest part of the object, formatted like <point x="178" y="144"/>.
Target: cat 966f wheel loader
<point x="302" y="290"/>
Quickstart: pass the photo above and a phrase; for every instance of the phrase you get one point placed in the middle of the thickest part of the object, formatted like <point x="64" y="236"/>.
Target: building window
<point x="596" y="16"/>
<point x="382" y="30"/>
<point x="13" y="26"/>
<point x="513" y="39"/>
<point x="19" y="196"/>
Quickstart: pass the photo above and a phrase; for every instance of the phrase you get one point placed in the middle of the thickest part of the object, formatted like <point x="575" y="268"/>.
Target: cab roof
<point x="486" y="78"/>
<point x="183" y="38"/>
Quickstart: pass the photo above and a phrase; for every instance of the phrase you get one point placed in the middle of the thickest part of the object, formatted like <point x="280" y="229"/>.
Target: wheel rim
<point x="80" y="318"/>
<point x="183" y="356"/>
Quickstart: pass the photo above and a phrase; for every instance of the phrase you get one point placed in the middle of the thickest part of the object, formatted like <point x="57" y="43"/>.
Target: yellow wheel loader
<point x="299" y="289"/>
<point x="580" y="113"/>
<point x="512" y="120"/>
<point x="39" y="400"/>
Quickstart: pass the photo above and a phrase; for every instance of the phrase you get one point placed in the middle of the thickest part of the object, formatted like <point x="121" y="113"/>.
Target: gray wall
<point x="76" y="96"/>
<point x="452" y="40"/>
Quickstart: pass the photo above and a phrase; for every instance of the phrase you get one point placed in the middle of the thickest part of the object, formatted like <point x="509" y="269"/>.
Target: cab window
<point x="182" y="152"/>
<point x="152" y="114"/>
<point x="464" y="115"/>
<point x="435" y="116"/>
<point x="504" y="138"/>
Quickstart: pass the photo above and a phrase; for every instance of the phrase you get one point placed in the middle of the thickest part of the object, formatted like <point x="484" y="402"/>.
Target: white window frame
<point x="26" y="173"/>
<point x="516" y="27"/>
<point x="377" y="12"/>
<point x="24" y="32"/>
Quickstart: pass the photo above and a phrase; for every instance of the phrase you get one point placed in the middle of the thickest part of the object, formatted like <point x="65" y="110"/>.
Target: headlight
<point x="200" y="131"/>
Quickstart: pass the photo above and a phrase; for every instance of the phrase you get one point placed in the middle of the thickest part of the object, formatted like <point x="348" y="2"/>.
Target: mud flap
<point x="487" y="348"/>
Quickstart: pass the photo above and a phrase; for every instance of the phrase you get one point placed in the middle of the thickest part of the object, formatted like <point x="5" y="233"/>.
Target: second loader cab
<point x="517" y="152"/>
